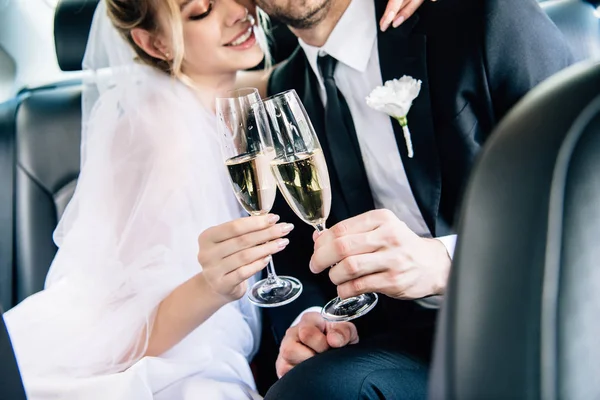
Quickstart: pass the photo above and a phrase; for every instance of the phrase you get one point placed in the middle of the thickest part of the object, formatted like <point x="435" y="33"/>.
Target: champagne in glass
<point x="304" y="183"/>
<point x="252" y="182"/>
<point x="301" y="172"/>
<point x="248" y="152"/>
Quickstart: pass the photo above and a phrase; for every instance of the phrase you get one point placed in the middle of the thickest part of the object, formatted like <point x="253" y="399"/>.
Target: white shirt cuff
<point x="450" y="243"/>
<point x="436" y="301"/>
<point x="310" y="309"/>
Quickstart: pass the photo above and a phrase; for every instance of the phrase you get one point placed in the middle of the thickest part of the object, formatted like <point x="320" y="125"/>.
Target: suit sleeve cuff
<point x="433" y="302"/>
<point x="310" y="309"/>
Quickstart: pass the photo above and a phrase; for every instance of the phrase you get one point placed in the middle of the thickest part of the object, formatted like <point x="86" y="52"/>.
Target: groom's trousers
<point x="380" y="367"/>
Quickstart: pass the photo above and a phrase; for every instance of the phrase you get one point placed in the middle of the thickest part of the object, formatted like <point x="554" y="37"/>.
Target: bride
<point x="136" y="305"/>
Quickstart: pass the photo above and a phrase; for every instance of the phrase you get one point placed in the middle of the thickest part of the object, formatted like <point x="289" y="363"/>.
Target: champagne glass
<point x="247" y="148"/>
<point x="301" y="174"/>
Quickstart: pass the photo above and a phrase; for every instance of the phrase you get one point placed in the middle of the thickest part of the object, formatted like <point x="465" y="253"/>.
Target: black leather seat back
<point x="48" y="136"/>
<point x="521" y="313"/>
<point x="11" y="386"/>
<point x="72" y="21"/>
<point x="39" y="149"/>
<point x="48" y="139"/>
<point x="7" y="184"/>
<point x="578" y="22"/>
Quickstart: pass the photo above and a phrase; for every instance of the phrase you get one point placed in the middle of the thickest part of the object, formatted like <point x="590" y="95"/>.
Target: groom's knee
<point x="316" y="379"/>
<point x="405" y="384"/>
<point x="352" y="373"/>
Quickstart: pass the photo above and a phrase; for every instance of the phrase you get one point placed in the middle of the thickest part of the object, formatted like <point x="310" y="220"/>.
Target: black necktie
<point x="343" y="143"/>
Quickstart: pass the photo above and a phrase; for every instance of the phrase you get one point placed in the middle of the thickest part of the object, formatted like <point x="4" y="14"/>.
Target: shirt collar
<point x="352" y="39"/>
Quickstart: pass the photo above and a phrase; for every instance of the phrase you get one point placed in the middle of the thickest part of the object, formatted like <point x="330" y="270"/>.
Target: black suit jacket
<point x="476" y="59"/>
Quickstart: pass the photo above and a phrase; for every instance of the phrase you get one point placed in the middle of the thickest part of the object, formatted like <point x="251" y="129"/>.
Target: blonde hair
<point x="127" y="15"/>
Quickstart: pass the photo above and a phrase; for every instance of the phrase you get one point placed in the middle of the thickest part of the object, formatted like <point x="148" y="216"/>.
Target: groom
<point x="475" y="59"/>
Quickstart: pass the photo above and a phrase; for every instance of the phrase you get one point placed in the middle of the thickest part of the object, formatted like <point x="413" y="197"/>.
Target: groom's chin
<point x="299" y="14"/>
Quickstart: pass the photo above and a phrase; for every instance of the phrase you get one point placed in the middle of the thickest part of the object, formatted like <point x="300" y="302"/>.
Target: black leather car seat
<point x="520" y="320"/>
<point x="579" y="24"/>
<point x="39" y="152"/>
<point x="11" y="386"/>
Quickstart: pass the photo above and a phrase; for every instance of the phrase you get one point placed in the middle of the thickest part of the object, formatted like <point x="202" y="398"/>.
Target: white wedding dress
<point x="152" y="180"/>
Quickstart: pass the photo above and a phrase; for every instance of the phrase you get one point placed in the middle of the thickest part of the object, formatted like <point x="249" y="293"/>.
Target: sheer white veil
<point x="151" y="181"/>
<point x="106" y="55"/>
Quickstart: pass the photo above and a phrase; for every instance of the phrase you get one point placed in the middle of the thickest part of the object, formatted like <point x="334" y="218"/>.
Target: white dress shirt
<point x="353" y="43"/>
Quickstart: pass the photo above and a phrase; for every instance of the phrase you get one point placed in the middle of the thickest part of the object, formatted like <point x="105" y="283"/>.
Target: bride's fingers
<point x="390" y="13"/>
<point x="253" y="254"/>
<point x="237" y="276"/>
<point x="406" y="12"/>
<point x="238" y="227"/>
<point x="398" y="11"/>
<point x="234" y="284"/>
<point x="249" y="240"/>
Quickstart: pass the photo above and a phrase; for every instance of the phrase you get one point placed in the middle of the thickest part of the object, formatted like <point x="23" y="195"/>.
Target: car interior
<point x="538" y="308"/>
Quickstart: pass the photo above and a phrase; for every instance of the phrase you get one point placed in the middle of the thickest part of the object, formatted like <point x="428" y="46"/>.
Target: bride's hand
<point x="398" y="11"/>
<point x="232" y="252"/>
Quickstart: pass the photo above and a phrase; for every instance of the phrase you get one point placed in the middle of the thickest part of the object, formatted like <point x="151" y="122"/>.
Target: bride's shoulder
<point x="151" y="90"/>
<point x="154" y="114"/>
<point x="154" y="104"/>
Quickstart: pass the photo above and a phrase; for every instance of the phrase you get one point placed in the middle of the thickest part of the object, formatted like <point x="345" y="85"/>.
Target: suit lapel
<point x="402" y="52"/>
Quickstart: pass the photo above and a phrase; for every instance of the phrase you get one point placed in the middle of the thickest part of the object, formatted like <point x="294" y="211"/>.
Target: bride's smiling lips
<point x="244" y="40"/>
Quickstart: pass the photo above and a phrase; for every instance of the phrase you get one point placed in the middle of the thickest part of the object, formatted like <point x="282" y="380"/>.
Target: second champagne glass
<point x="248" y="151"/>
<point x="301" y="173"/>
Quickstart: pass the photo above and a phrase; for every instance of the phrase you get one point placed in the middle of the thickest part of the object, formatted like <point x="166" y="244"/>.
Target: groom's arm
<point x="522" y="47"/>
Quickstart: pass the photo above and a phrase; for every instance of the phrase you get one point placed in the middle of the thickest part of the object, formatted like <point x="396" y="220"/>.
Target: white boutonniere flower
<point x="395" y="98"/>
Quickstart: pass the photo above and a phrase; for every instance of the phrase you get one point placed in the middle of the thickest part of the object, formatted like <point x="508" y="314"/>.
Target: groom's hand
<point x="311" y="336"/>
<point x="376" y="252"/>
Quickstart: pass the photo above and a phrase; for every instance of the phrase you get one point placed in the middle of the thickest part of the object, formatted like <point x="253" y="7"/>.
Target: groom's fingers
<point x="363" y="223"/>
<point x="295" y="353"/>
<point x="292" y="352"/>
<point x="311" y="332"/>
<point x="340" y="334"/>
<point x="354" y="267"/>
<point x="282" y="367"/>
<point x="343" y="247"/>
<point x="312" y="337"/>
<point x="302" y="342"/>
<point x="379" y="282"/>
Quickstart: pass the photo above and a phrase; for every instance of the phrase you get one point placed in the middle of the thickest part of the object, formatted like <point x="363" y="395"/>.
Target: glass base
<point x="338" y="310"/>
<point x="277" y="293"/>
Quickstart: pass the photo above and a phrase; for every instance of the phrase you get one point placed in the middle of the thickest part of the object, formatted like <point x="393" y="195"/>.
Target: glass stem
<point x="320" y="227"/>
<point x="272" y="277"/>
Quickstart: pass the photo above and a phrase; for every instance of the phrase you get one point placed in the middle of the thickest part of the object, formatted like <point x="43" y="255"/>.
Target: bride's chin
<point x="250" y="59"/>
